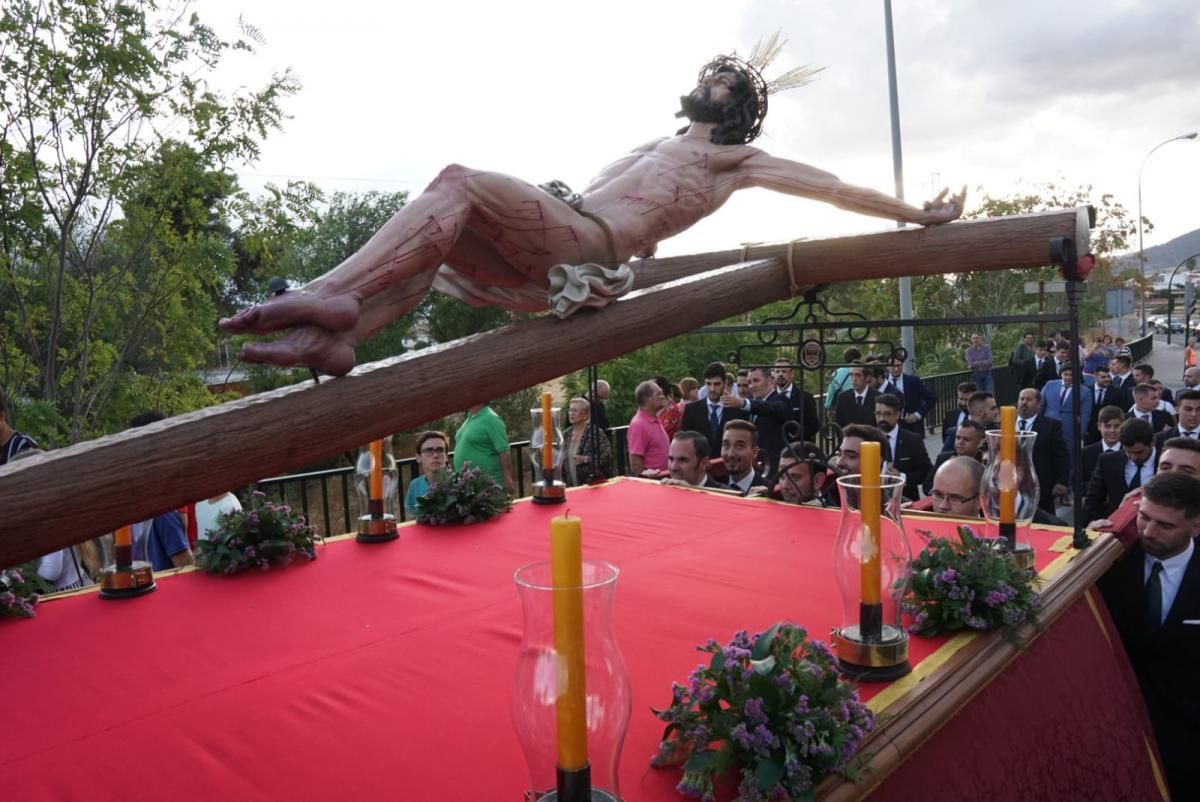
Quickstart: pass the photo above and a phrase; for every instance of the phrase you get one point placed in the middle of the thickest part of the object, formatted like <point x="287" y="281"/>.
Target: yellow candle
<point x="1008" y="465"/>
<point x="123" y="536"/>
<point x="547" y="438"/>
<point x="869" y="466"/>
<point x="566" y="563"/>
<point x="376" y="469"/>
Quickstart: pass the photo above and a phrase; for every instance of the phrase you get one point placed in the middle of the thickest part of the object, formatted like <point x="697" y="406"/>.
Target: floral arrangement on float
<point x="261" y="534"/>
<point x="20" y="590"/>
<point x="462" y="497"/>
<point x="771" y="708"/>
<point x="971" y="583"/>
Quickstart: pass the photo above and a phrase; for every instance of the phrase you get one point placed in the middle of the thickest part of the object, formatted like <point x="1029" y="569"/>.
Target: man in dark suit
<point x="739" y="452"/>
<point x="909" y="455"/>
<point x="961" y="413"/>
<point x="1049" y="449"/>
<point x="1187" y="408"/>
<point x="917" y="398"/>
<point x="1110" y="422"/>
<point x="802" y="403"/>
<point x="1145" y="406"/>
<point x="857" y="404"/>
<point x="708" y="415"/>
<point x="982" y="409"/>
<point x="1122" y="374"/>
<point x="1144" y="374"/>
<point x="1104" y="394"/>
<point x="687" y="462"/>
<point x="1119" y="472"/>
<point x="768" y="411"/>
<point x="1153" y="595"/>
<point x="1040" y="369"/>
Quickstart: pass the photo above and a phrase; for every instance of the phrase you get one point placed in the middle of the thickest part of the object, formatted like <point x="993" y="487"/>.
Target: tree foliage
<point x="112" y="181"/>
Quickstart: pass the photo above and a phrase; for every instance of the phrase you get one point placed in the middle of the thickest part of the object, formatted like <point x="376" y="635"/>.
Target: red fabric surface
<point x="385" y="671"/>
<point x="1064" y="721"/>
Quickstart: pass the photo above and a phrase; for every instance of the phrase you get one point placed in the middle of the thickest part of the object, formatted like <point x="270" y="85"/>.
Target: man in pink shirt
<point x="648" y="442"/>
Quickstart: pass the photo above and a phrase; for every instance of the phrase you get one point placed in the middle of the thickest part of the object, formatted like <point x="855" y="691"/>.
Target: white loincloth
<point x="571" y="288"/>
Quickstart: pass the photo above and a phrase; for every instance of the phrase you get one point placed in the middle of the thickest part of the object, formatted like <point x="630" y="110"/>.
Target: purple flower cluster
<point x="260" y="535"/>
<point x="968" y="584"/>
<point x="773" y="697"/>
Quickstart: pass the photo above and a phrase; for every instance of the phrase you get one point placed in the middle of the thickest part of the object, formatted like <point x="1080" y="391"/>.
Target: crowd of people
<point x="754" y="431"/>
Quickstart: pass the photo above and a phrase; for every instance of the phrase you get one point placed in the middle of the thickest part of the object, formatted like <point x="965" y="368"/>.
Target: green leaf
<point x="763" y="667"/>
<point x="762" y="646"/>
<point x="718" y="662"/>
<point x="701" y="761"/>
<point x="767" y="774"/>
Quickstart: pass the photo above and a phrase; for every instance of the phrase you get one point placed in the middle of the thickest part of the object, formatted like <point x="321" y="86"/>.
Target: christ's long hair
<point x="739" y="121"/>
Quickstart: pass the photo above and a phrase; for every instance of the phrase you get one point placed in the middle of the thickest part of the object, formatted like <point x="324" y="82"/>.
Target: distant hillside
<point x="1168" y="255"/>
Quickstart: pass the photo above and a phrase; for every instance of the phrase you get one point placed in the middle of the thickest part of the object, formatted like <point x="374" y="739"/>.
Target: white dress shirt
<point x="1172" y="575"/>
<point x="1147" y="469"/>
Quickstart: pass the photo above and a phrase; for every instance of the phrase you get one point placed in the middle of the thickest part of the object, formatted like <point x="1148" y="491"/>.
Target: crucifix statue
<point x="487" y="238"/>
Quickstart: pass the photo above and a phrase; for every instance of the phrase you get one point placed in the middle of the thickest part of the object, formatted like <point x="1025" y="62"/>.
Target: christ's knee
<point x="452" y="175"/>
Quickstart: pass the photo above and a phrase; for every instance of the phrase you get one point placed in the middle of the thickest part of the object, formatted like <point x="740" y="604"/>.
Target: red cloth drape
<point x="385" y="671"/>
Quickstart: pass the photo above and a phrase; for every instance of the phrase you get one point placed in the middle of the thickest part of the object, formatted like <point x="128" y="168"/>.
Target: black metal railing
<point x="336" y="512"/>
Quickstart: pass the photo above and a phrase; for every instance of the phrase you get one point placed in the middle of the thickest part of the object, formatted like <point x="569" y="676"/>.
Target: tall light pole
<point x="906" y="310"/>
<point x="1141" y="250"/>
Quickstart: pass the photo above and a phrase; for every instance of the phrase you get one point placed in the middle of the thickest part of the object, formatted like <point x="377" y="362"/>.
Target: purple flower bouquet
<point x="771" y="707"/>
<point x="260" y="534"/>
<point x="969" y="584"/>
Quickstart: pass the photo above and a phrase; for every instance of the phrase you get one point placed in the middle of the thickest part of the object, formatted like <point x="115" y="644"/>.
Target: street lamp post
<point x="1170" y="289"/>
<point x="1141" y="250"/>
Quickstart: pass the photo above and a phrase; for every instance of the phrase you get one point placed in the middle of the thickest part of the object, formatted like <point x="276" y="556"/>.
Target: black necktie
<point x="859" y="398"/>
<point x="1136" y="481"/>
<point x="1154" y="599"/>
<point x="1024" y="424"/>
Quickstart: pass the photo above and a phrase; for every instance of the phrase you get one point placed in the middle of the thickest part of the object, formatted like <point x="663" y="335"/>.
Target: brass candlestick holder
<point x="126" y="578"/>
<point x="872" y="576"/>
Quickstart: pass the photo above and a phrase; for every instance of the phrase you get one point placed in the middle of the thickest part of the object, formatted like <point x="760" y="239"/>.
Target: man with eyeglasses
<point x="956" y="491"/>
<point x="956" y="487"/>
<point x="431" y="460"/>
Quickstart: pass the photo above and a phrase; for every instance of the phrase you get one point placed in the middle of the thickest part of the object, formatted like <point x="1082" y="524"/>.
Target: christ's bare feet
<point x="308" y="346"/>
<point x="337" y="313"/>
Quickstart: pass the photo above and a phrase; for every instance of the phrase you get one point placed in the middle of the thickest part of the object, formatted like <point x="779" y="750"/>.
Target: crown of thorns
<point x="752" y="69"/>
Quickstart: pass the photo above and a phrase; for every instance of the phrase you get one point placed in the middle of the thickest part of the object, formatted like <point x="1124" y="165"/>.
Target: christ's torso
<point x="662" y="189"/>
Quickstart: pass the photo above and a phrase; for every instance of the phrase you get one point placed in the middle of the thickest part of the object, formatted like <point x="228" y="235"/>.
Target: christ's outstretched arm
<point x="794" y="178"/>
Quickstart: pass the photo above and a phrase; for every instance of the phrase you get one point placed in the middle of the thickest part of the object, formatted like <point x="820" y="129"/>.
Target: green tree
<point x="111" y="178"/>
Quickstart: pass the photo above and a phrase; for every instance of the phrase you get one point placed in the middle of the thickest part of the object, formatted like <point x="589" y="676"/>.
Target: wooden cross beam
<point x="66" y="496"/>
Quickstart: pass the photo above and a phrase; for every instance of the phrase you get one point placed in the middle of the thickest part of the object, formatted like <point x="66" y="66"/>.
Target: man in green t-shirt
<point x="482" y="440"/>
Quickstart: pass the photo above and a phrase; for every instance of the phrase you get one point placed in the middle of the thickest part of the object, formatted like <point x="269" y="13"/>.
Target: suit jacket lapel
<point x="1187" y="600"/>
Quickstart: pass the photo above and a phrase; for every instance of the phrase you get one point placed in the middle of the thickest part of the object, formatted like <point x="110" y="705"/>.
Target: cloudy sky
<point x="1000" y="96"/>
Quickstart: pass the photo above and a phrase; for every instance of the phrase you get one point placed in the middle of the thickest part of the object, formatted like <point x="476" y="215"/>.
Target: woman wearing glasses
<point x="432" y="448"/>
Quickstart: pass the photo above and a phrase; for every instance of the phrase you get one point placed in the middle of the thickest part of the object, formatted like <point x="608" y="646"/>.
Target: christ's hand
<point x="942" y="209"/>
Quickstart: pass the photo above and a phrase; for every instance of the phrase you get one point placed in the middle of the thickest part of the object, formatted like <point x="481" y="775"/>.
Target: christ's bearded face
<point x="710" y="98"/>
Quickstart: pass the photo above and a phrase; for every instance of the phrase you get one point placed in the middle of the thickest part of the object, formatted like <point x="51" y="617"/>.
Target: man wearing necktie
<point x="1049" y="449"/>
<point x="917" y="398"/>
<point x="1145" y="406"/>
<point x="1104" y="393"/>
<point x="1109" y="423"/>
<point x="1188" y="410"/>
<point x="1118" y="473"/>
<point x="857" y="404"/>
<point x="1058" y="403"/>
<point x="709" y="415"/>
<point x="1153" y="596"/>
